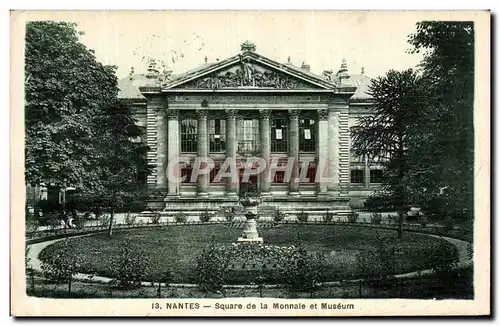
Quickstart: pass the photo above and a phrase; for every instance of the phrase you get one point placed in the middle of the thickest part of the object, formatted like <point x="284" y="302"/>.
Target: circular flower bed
<point x="177" y="249"/>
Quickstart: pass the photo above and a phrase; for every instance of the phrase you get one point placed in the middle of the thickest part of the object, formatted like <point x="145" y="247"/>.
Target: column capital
<point x="173" y="114"/>
<point x="323" y="114"/>
<point x="293" y="113"/>
<point x="231" y="113"/>
<point x="201" y="114"/>
<point x="265" y="113"/>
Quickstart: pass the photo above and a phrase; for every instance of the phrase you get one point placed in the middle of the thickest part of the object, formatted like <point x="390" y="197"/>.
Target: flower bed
<point x="176" y="248"/>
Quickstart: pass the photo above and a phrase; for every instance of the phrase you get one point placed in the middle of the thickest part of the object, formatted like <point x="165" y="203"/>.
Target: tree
<point x="65" y="89"/>
<point x="132" y="265"/>
<point x="387" y="134"/>
<point x="120" y="162"/>
<point x="448" y="67"/>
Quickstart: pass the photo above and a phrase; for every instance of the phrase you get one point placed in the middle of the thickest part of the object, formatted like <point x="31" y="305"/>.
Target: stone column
<point x="231" y="148"/>
<point x="333" y="153"/>
<point x="293" y="151"/>
<point x="322" y="153"/>
<point x="173" y="150"/>
<point x="202" y="189"/>
<point x="367" y="172"/>
<point x="265" y="150"/>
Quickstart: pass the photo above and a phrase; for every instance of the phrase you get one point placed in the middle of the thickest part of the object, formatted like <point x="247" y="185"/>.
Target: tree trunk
<point x="401" y="194"/>
<point x="69" y="285"/>
<point x="400" y="224"/>
<point x="112" y="215"/>
<point x="159" y="289"/>
<point x="111" y="218"/>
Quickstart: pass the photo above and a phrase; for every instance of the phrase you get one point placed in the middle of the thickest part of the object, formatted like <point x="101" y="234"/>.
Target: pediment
<point x="249" y="71"/>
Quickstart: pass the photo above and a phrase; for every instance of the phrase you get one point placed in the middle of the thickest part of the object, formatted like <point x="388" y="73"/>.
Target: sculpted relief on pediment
<point x="247" y="74"/>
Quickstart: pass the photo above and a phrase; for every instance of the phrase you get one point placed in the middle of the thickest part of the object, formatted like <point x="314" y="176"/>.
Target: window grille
<point x="189" y="135"/>
<point x="279" y="135"/>
<point x="217" y="135"/>
<point x="248" y="141"/>
<point x="357" y="176"/>
<point x="307" y="135"/>
<point x="376" y="176"/>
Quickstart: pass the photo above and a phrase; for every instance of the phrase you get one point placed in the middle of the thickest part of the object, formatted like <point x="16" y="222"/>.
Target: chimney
<point x="305" y="66"/>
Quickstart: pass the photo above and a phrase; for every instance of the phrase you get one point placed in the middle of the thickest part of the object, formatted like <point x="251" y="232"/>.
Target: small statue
<point x="248" y="71"/>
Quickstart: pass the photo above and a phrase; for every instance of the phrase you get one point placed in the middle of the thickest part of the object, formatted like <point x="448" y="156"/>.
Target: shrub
<point x="379" y="203"/>
<point x="228" y="214"/>
<point x="31" y="226"/>
<point x="105" y="219"/>
<point x="302" y="216"/>
<point x="445" y="258"/>
<point x="130" y="218"/>
<point x="448" y="223"/>
<point x="155" y="219"/>
<point x="352" y="217"/>
<point x="376" y="218"/>
<point x="211" y="269"/>
<point x="205" y="217"/>
<point x="279" y="216"/>
<point x="53" y="223"/>
<point x="62" y="264"/>
<point x="422" y="219"/>
<point x="131" y="266"/>
<point x="394" y="219"/>
<point x="301" y="271"/>
<point x="180" y="217"/>
<point x="329" y="216"/>
<point x="379" y="262"/>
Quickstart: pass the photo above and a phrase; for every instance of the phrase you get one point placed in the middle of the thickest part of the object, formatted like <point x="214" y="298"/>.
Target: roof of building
<point x="362" y="83"/>
<point x="129" y="86"/>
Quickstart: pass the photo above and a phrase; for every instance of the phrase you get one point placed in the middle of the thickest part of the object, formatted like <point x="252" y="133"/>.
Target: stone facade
<point x="249" y="105"/>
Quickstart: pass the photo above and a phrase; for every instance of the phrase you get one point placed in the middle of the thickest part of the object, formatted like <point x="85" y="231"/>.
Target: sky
<point x="376" y="41"/>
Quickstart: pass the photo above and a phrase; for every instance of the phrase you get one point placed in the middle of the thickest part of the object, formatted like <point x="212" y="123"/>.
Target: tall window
<point x="357" y="176"/>
<point x="189" y="134"/>
<point x="279" y="176"/>
<point x="217" y="135"/>
<point x="311" y="171"/>
<point x="215" y="171"/>
<point x="376" y="176"/>
<point x="186" y="171"/>
<point x="249" y="136"/>
<point x="307" y="135"/>
<point x="279" y="135"/>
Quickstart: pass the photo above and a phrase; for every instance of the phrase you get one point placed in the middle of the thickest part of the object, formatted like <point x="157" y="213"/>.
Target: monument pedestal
<point x="250" y="234"/>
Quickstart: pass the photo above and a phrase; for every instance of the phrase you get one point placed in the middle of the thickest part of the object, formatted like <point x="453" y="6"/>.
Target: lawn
<point x="176" y="248"/>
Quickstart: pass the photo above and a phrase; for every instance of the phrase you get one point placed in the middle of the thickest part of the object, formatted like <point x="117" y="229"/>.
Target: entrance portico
<point x="242" y="108"/>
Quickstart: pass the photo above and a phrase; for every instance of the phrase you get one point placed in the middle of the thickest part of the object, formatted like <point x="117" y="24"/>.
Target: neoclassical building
<point x="252" y="106"/>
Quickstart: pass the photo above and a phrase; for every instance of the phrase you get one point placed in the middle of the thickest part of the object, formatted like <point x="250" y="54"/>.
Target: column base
<point x="333" y="193"/>
<point x="293" y="194"/>
<point x="323" y="194"/>
<point x="251" y="240"/>
<point x="202" y="195"/>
